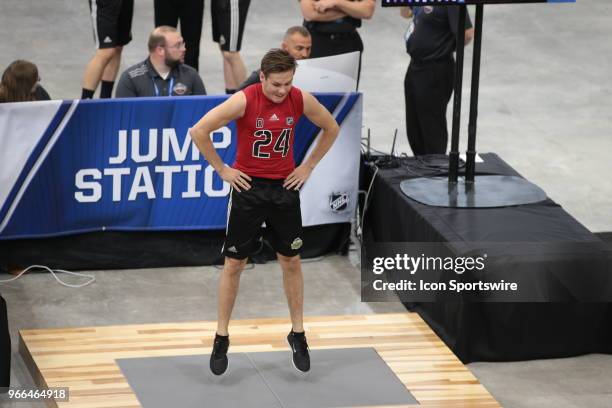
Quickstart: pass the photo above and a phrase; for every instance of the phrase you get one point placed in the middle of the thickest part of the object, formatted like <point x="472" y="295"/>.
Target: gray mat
<point x="338" y="378"/>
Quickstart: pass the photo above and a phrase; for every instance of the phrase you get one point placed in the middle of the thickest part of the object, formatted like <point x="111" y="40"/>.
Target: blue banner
<point x="122" y="164"/>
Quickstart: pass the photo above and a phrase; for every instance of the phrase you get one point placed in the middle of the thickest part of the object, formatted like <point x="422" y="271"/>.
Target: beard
<point x="172" y="63"/>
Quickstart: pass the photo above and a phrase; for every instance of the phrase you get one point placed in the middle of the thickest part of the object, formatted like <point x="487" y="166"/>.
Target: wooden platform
<point x="83" y="359"/>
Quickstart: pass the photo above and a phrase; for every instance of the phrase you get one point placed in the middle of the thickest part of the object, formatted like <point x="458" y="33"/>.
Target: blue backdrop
<point x="128" y="164"/>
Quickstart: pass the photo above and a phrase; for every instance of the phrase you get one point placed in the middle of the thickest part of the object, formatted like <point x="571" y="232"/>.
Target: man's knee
<point x="230" y="56"/>
<point x="234" y="266"/>
<point x="105" y="54"/>
<point x="289" y="263"/>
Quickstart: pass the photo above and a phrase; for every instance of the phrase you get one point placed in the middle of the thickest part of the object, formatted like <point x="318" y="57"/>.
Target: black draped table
<point x="5" y="346"/>
<point x="479" y="331"/>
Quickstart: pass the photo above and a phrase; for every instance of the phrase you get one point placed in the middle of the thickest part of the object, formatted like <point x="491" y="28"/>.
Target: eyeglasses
<point x="178" y="46"/>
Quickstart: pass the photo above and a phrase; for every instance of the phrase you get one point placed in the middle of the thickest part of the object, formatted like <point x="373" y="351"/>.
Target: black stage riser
<point x="491" y="331"/>
<point x="131" y="250"/>
<point x="5" y="346"/>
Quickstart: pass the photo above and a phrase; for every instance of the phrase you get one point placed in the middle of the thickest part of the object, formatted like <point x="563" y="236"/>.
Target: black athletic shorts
<point x="112" y="22"/>
<point x="228" y="20"/>
<point x="266" y="201"/>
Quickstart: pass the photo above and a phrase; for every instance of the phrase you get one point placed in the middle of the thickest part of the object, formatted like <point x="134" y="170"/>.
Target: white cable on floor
<point x="90" y="278"/>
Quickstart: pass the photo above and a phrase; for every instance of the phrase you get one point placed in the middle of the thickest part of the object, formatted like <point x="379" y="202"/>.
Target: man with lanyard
<point x="265" y="184"/>
<point x="429" y="81"/>
<point x="163" y="73"/>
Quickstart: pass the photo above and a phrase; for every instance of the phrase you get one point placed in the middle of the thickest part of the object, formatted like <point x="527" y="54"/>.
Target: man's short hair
<point x="297" y="29"/>
<point x="157" y="37"/>
<point x="277" y="60"/>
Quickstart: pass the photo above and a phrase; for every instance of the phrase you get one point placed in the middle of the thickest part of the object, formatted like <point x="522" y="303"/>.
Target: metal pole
<point x="453" y="156"/>
<point x="470" y="166"/>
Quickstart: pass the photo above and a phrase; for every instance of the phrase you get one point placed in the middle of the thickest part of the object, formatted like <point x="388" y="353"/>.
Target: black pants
<point x="190" y="13"/>
<point x="427" y="91"/>
<point x="326" y="45"/>
<point x="5" y="346"/>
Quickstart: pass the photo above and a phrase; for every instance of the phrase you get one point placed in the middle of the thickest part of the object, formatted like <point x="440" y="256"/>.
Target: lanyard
<point x="170" y="88"/>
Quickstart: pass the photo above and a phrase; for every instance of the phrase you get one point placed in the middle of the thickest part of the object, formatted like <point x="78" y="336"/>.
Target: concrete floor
<point x="545" y="107"/>
<point x="176" y="294"/>
<point x="188" y="294"/>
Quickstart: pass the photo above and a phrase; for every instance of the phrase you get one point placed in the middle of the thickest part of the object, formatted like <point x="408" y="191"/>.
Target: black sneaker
<point x="218" y="357"/>
<point x="299" y="346"/>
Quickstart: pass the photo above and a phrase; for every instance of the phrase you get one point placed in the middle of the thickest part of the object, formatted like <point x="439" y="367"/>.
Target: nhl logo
<point x="338" y="202"/>
<point x="289" y="120"/>
<point x="180" y="89"/>
<point x="259" y="123"/>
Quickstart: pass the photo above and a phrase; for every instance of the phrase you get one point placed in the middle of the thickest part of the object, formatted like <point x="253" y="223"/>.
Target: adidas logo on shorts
<point x="107" y="40"/>
<point x="232" y="249"/>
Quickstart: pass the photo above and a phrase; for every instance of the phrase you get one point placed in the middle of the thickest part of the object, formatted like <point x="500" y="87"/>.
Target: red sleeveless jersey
<point x="266" y="132"/>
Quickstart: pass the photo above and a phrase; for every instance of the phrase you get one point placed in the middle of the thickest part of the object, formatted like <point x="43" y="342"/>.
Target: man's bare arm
<point x="216" y="118"/>
<point x="318" y="115"/>
<point x="469" y="35"/>
<point x="406" y="12"/>
<point x="311" y="14"/>
<point x="363" y="9"/>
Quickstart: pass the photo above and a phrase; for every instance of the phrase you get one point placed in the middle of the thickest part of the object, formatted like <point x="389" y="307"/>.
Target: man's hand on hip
<point x="238" y="179"/>
<point x="298" y="177"/>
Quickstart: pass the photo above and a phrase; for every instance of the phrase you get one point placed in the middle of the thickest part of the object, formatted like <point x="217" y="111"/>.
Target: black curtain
<point x="5" y="346"/>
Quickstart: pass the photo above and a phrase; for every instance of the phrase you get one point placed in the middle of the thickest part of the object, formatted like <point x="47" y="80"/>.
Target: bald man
<point x="297" y="42"/>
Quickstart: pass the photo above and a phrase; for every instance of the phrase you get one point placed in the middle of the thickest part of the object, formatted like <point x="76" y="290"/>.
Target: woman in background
<point x="20" y="83"/>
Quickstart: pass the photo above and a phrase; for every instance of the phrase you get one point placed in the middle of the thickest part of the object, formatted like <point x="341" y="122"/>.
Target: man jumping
<point x="265" y="188"/>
